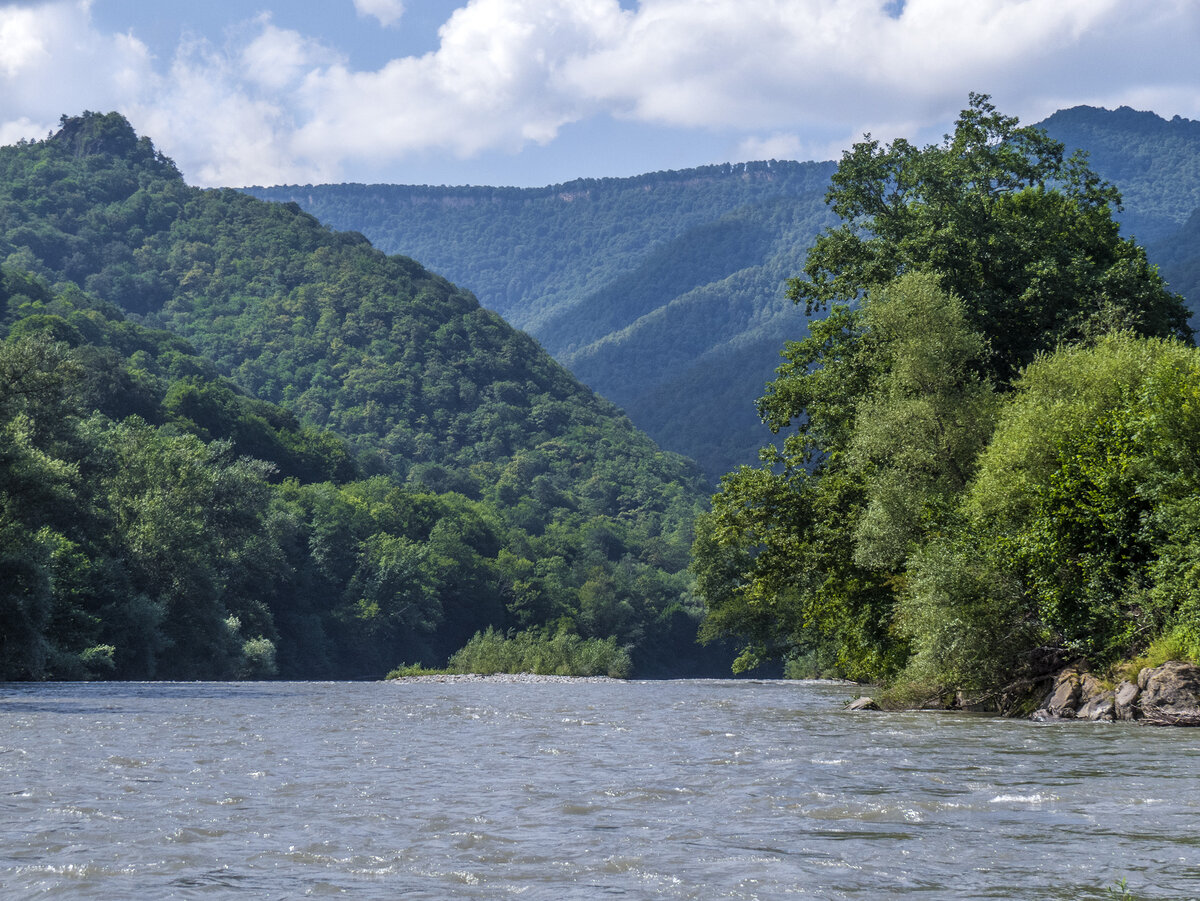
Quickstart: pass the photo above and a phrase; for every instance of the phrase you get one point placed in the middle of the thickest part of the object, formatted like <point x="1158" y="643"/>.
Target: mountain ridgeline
<point x="240" y="442"/>
<point x="663" y="292"/>
<point x="666" y="292"/>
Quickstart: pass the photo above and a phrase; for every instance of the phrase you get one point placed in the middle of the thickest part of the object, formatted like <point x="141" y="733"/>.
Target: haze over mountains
<point x="665" y="292"/>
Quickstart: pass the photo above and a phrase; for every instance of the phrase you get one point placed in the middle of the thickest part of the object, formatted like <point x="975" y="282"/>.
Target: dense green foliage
<point x="1025" y="237"/>
<point x="662" y="291"/>
<point x="1079" y="532"/>
<point x="139" y="542"/>
<point x="537" y="651"/>
<point x="473" y="482"/>
<point x="961" y="492"/>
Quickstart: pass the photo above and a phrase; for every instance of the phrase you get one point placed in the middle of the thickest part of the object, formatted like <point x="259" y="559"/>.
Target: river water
<point x="690" y="789"/>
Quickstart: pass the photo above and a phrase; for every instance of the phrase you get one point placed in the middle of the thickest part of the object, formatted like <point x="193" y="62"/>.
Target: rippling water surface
<point x="706" y="790"/>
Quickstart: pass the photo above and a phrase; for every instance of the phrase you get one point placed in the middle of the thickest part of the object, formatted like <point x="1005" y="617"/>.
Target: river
<point x="688" y="789"/>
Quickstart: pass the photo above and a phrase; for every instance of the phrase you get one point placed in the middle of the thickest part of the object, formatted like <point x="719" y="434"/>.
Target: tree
<point x="955" y="265"/>
<point x="1022" y="234"/>
<point x="808" y="554"/>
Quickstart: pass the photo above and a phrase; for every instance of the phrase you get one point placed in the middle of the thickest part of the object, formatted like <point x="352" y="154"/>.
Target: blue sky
<point x="535" y="92"/>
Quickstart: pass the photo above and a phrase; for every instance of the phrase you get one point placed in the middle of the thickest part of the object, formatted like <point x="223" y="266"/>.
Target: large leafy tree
<point x="955" y="266"/>
<point x="1022" y="233"/>
<point x="1079" y="533"/>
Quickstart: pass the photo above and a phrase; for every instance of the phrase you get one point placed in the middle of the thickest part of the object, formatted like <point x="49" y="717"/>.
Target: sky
<point x="538" y="92"/>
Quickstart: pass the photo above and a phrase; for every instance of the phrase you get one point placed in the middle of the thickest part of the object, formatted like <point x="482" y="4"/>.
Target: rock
<point x="1095" y="702"/>
<point x="1125" y="702"/>
<point x="1143" y="677"/>
<point x="1063" y="700"/>
<point x="862" y="704"/>
<point x="1163" y="695"/>
<point x="1076" y="694"/>
<point x="1100" y="707"/>
<point x="1171" y="693"/>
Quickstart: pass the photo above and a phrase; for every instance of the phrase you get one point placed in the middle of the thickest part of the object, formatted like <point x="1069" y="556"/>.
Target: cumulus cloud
<point x="276" y="58"/>
<point x="211" y="114"/>
<point x="52" y="61"/>
<point x="388" y="12"/>
<point x="776" y="78"/>
<point x="495" y="81"/>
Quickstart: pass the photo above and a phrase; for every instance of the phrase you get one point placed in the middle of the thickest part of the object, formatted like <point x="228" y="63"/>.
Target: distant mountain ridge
<point x="1154" y="161"/>
<point x="647" y="288"/>
<point x="665" y="292"/>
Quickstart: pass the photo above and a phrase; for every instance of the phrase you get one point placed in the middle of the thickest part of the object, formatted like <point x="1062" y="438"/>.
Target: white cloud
<point x="495" y="81"/>
<point x="24" y="128"/>
<point x="774" y="147"/>
<point x="388" y="12"/>
<point x="776" y="78"/>
<point x="277" y="58"/>
<point x="767" y="64"/>
<point x="208" y="114"/>
<point x="53" y="62"/>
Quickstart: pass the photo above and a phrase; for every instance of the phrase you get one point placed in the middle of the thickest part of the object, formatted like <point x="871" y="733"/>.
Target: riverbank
<point x="507" y="678"/>
<point x="1163" y="695"/>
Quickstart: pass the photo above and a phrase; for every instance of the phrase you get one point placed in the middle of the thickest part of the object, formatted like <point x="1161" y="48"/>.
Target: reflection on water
<point x="706" y="790"/>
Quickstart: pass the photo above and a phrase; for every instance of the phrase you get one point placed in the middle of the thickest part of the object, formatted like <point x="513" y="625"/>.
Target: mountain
<point x="474" y="470"/>
<point x="1156" y="164"/>
<point x="665" y="292"/>
<point x="1154" y="161"/>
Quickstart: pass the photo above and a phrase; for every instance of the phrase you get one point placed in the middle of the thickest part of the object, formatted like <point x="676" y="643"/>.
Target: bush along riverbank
<point x="535" y="652"/>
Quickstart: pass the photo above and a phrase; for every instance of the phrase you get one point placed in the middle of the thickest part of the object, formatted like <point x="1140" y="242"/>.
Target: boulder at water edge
<point x="1163" y="695"/>
<point x="1170" y="694"/>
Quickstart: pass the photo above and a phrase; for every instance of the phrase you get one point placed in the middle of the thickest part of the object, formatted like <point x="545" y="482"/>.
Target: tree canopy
<point x="1024" y="235"/>
<point x="956" y="267"/>
<point x="371" y="467"/>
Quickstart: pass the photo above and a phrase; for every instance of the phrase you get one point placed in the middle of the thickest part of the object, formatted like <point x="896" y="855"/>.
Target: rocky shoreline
<point x="1166" y="695"/>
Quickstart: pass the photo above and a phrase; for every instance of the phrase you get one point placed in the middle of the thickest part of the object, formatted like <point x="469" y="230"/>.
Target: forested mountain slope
<point x="665" y="292"/>
<point x="644" y="286"/>
<point x="1154" y="161"/>
<point x="1156" y="164"/>
<point x="567" y="516"/>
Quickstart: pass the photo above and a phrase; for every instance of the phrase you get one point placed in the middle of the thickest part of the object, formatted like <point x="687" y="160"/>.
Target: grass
<point x="1175" y="644"/>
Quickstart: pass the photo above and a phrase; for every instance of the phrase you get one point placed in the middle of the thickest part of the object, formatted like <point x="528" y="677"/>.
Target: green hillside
<point x="562" y="514"/>
<point x="1155" y="163"/>
<point x="637" y="284"/>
